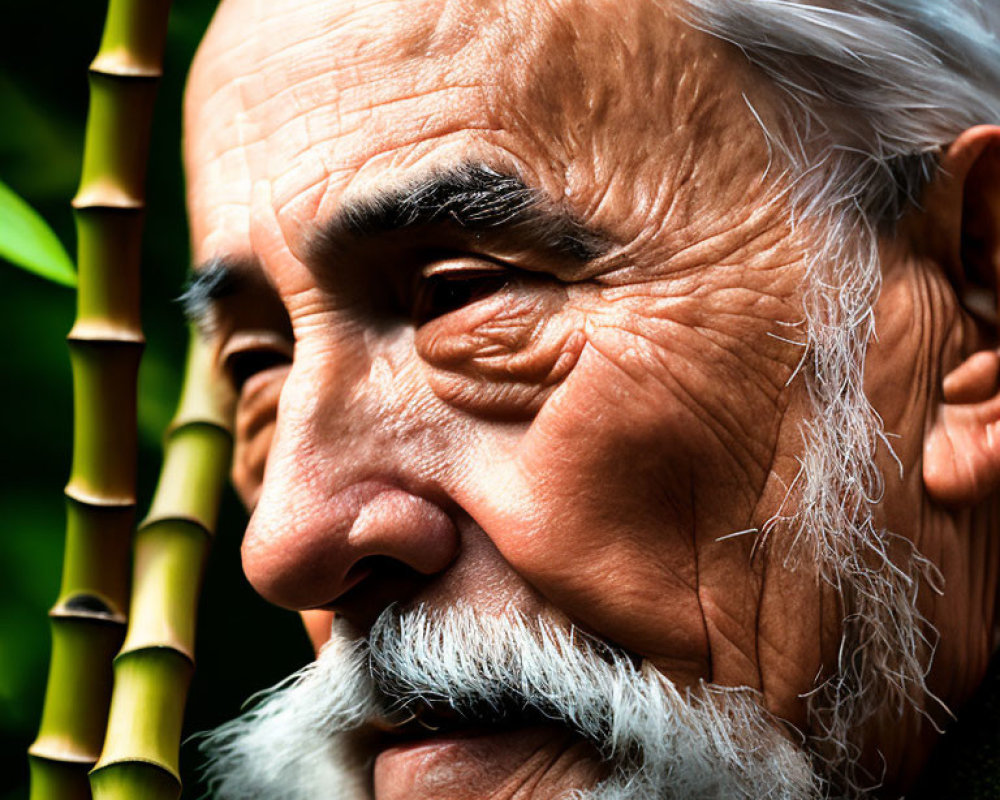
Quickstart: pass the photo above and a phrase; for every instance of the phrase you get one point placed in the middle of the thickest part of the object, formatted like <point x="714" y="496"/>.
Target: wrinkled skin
<point x="576" y="442"/>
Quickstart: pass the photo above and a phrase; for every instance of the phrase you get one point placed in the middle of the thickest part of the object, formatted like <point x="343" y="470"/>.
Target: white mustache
<point x="661" y="741"/>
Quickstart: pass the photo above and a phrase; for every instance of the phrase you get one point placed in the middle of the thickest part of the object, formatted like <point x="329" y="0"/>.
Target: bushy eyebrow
<point x="471" y="198"/>
<point x="206" y="285"/>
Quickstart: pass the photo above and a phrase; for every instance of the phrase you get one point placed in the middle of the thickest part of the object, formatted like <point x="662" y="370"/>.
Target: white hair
<point x="869" y="91"/>
<point x="872" y="88"/>
<point x="296" y="736"/>
<point x="662" y="742"/>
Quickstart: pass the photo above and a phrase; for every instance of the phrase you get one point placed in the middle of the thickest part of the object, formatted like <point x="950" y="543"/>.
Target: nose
<point x="335" y="510"/>
<point x="310" y="555"/>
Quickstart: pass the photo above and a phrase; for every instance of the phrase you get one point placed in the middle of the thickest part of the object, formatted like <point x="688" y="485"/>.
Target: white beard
<point x="302" y="740"/>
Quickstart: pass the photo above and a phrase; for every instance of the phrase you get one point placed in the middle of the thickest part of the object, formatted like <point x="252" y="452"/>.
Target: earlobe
<point x="961" y="463"/>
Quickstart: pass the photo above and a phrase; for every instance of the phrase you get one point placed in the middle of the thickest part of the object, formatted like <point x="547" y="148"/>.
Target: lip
<point x="466" y="741"/>
<point x="473" y="762"/>
<point x="449" y="739"/>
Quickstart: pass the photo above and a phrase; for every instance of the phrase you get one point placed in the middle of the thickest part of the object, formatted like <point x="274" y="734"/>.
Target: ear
<point x="961" y="463"/>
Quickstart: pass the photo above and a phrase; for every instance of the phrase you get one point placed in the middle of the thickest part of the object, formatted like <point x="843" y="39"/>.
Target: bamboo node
<point x="99" y="332"/>
<point x="185" y="519"/>
<point x="122" y="64"/>
<point x="43" y="750"/>
<point x="174" y="648"/>
<point x="177" y="425"/>
<point x="107" y="196"/>
<point x="166" y="769"/>
<point x="88" y="606"/>
<point x="89" y="603"/>
<point x="83" y="497"/>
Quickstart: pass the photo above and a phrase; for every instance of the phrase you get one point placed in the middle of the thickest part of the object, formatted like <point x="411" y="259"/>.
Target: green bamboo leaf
<point x="27" y="241"/>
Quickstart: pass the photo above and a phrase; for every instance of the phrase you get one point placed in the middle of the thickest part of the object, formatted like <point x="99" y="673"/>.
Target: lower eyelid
<point x="497" y="322"/>
<point x="258" y="404"/>
<point x="510" y="336"/>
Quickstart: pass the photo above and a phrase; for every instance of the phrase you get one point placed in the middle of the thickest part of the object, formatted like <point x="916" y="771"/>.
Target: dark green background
<point x="244" y="644"/>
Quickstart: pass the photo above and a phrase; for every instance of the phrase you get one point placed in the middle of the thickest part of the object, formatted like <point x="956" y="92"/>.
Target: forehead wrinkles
<point x="646" y="119"/>
<point x="303" y="98"/>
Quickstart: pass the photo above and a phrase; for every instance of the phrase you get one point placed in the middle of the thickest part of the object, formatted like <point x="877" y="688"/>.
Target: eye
<point x="447" y="287"/>
<point x="242" y="366"/>
<point x="246" y="356"/>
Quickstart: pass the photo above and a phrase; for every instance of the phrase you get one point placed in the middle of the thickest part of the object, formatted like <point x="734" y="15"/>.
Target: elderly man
<point x="618" y="382"/>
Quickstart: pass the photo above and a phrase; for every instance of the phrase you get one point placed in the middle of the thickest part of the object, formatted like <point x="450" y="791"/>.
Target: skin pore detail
<point x="509" y="335"/>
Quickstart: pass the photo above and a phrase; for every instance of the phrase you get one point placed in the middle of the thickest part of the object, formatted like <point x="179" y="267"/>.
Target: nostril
<point x="361" y="570"/>
<point x="379" y="582"/>
<point x="358" y="572"/>
<point x="406" y="527"/>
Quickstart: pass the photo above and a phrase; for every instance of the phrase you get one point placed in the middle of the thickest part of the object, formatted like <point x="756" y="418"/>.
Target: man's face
<point x="514" y="310"/>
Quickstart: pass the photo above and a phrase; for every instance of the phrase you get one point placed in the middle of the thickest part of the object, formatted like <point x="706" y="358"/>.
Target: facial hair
<point x="304" y="740"/>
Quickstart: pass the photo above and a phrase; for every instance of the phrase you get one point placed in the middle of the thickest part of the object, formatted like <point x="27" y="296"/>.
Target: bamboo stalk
<point x="105" y="344"/>
<point x="153" y="670"/>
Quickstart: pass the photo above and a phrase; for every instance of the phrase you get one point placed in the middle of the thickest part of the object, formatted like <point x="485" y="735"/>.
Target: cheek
<point x="256" y="416"/>
<point x="614" y="499"/>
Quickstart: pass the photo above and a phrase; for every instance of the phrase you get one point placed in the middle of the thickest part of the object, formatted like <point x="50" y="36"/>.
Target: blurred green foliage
<point x="28" y="241"/>
<point x="244" y="644"/>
